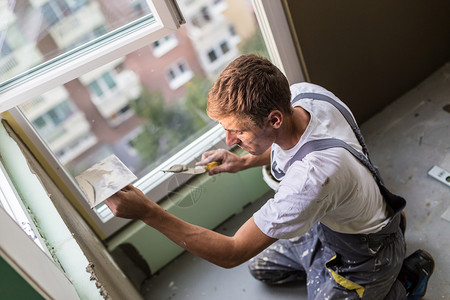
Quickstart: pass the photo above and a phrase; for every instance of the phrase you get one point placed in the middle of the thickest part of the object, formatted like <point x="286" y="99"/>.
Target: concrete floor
<point x="405" y="140"/>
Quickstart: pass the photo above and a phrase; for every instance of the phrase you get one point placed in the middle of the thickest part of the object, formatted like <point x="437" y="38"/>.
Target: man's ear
<point x="275" y="118"/>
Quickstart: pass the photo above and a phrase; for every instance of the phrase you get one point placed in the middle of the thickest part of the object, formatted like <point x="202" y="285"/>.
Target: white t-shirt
<point x="330" y="186"/>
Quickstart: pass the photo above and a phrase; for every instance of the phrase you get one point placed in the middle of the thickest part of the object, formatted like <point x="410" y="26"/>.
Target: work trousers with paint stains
<point x="337" y="265"/>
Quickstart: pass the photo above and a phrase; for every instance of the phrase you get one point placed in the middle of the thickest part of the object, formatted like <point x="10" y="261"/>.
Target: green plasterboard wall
<point x="217" y="198"/>
<point x="13" y="286"/>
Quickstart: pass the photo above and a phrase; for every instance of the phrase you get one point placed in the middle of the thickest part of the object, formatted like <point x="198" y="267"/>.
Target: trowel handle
<point x="211" y="165"/>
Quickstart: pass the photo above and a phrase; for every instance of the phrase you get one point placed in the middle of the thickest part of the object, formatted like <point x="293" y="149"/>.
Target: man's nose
<point x="231" y="138"/>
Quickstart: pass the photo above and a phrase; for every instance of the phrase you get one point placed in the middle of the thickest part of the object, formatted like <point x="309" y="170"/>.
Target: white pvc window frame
<point x="275" y="29"/>
<point x="11" y="203"/>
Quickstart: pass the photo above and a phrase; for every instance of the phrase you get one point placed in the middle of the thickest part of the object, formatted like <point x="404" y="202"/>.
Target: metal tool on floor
<point x="440" y="174"/>
<point x="192" y="170"/>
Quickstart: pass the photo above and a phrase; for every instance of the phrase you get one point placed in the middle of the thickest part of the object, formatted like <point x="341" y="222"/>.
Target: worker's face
<point x="249" y="137"/>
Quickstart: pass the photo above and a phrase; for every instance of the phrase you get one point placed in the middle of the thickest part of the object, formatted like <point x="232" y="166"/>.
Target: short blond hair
<point x="249" y="88"/>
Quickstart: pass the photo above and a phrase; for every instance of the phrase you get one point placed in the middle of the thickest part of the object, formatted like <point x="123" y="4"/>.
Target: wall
<point x="13" y="286"/>
<point x="370" y="52"/>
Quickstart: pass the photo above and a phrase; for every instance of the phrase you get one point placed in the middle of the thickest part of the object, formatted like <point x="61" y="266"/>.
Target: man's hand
<point x="232" y="163"/>
<point x="229" y="162"/>
<point x="131" y="203"/>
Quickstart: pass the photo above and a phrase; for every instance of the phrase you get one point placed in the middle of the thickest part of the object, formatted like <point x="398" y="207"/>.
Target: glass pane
<point x="148" y="105"/>
<point x="36" y="31"/>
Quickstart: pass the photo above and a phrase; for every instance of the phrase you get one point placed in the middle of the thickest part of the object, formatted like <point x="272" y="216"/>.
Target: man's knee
<point x="268" y="272"/>
<point x="260" y="269"/>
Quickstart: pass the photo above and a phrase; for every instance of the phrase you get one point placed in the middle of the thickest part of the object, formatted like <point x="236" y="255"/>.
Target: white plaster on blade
<point x="104" y="179"/>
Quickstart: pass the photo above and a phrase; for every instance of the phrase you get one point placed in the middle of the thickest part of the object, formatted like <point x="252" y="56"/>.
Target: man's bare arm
<point x="219" y="249"/>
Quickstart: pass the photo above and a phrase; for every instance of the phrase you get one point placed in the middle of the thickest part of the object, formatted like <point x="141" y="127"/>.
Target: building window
<point x="164" y="45"/>
<point x="224" y="47"/>
<point x="232" y="30"/>
<point x="50" y="14"/>
<point x="205" y="14"/>
<point x="109" y="81"/>
<point x="95" y="88"/>
<point x="212" y="55"/>
<point x="103" y="86"/>
<point x="178" y="74"/>
<point x="202" y="17"/>
<point x="218" y="51"/>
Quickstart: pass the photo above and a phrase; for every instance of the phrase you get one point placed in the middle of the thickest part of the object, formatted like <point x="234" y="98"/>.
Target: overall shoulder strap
<point x="397" y="203"/>
<point x="343" y="110"/>
<point x="322" y="144"/>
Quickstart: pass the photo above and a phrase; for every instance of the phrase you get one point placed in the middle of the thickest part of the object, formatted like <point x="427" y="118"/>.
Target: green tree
<point x="166" y="127"/>
<point x="195" y="101"/>
<point x="255" y="44"/>
<point x="149" y="106"/>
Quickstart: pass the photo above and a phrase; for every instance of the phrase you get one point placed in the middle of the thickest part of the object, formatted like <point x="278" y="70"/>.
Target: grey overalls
<point x="338" y="265"/>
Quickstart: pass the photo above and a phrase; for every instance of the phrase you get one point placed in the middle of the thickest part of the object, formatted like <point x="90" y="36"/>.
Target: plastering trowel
<point x="192" y="170"/>
<point x="104" y="179"/>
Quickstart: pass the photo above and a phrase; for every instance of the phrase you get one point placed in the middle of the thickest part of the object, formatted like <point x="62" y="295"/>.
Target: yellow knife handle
<point x="211" y="165"/>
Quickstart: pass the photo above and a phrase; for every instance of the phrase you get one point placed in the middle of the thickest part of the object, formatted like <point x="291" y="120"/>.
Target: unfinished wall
<point x="371" y="52"/>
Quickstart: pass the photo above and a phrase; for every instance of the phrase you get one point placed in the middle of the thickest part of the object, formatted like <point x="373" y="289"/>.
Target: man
<point x="331" y="221"/>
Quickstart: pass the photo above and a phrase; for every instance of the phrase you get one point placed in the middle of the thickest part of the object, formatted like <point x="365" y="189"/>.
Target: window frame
<point x="13" y="206"/>
<point x="275" y="29"/>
